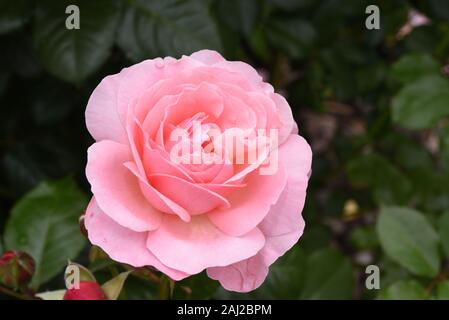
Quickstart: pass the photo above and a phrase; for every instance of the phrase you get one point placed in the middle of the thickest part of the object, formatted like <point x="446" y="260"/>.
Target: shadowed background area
<point x="373" y="104"/>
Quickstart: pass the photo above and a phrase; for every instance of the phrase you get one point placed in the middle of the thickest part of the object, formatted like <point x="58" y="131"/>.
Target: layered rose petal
<point x="102" y="118"/>
<point x="208" y="57"/>
<point x="283" y="225"/>
<point x="243" y="276"/>
<point x="156" y="198"/>
<point x="197" y="245"/>
<point x="123" y="244"/>
<point x="213" y="58"/>
<point x="116" y="189"/>
<point x="253" y="203"/>
<point x="182" y="192"/>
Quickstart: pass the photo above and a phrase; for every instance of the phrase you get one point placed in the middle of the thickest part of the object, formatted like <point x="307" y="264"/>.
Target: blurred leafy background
<point x="372" y="103"/>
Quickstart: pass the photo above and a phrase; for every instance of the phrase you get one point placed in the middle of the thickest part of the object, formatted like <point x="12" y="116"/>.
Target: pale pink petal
<point x="155" y="198"/>
<point x="116" y="189"/>
<point x="282" y="227"/>
<point x="155" y="161"/>
<point x="243" y="276"/>
<point x="208" y="57"/>
<point x="136" y="141"/>
<point x="142" y="76"/>
<point x="245" y="96"/>
<point x="202" y="98"/>
<point x="236" y="114"/>
<point x="197" y="245"/>
<point x="122" y="244"/>
<point x="213" y="58"/>
<point x="193" y="197"/>
<point x="102" y="119"/>
<point x="246" y="70"/>
<point x="224" y="189"/>
<point x="284" y="224"/>
<point x="284" y="112"/>
<point x="263" y="155"/>
<point x="107" y="108"/>
<point x="250" y="205"/>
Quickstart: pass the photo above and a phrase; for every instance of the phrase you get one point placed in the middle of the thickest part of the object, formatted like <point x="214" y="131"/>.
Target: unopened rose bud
<point x="16" y="269"/>
<point x="88" y="290"/>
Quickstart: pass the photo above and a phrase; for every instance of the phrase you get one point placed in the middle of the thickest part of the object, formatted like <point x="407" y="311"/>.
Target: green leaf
<point x="44" y="223"/>
<point x="239" y="15"/>
<point x="85" y="274"/>
<point x="388" y="184"/>
<point x="73" y="55"/>
<point x="443" y="290"/>
<point x="52" y="295"/>
<point x="113" y="287"/>
<point x="329" y="275"/>
<point x="401" y="148"/>
<point x="444" y="145"/>
<point x="13" y="14"/>
<point x="166" y="288"/>
<point x="167" y="28"/>
<point x="423" y="39"/>
<point x="20" y="168"/>
<point x="403" y="290"/>
<point x="315" y="238"/>
<point x="443" y="230"/>
<point x="50" y="104"/>
<point x="391" y="271"/>
<point x="196" y="287"/>
<point x="439" y="8"/>
<point x="139" y="289"/>
<point x="293" y="36"/>
<point x="409" y="239"/>
<point x="413" y="67"/>
<point x="430" y="189"/>
<point x="285" y="278"/>
<point x="290" y="4"/>
<point x="364" y="238"/>
<point x="422" y="103"/>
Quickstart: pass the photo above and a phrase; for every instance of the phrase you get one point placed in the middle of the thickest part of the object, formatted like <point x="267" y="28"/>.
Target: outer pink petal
<point x="208" y="57"/>
<point x="140" y="77"/>
<point x="102" y="118"/>
<point x="213" y="58"/>
<point x="116" y="189"/>
<point x="283" y="225"/>
<point x="108" y="105"/>
<point x="194" y="246"/>
<point x="122" y="244"/>
<point x="243" y="276"/>
<point x="285" y="114"/>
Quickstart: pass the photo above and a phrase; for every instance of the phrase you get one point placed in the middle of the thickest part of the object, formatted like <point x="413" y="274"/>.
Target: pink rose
<point x="155" y="207"/>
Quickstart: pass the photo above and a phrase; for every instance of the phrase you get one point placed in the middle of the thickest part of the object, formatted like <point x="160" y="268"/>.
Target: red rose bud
<point x="88" y="290"/>
<point x="16" y="269"/>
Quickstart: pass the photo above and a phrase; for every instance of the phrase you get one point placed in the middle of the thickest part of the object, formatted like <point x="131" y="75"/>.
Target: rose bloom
<point x="227" y="218"/>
